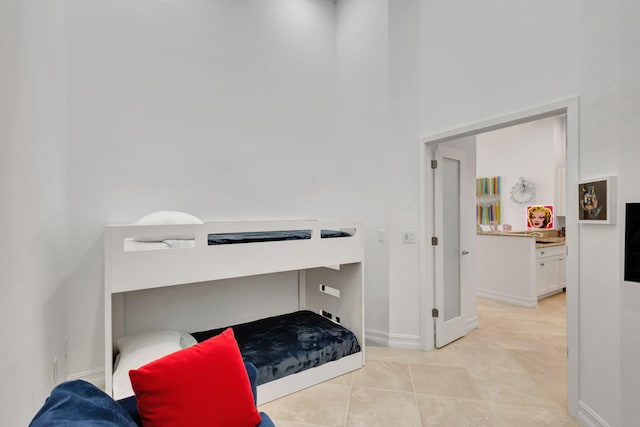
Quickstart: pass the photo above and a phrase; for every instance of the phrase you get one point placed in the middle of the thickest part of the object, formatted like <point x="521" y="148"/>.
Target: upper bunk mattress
<point x="289" y="343"/>
<point x="270" y="236"/>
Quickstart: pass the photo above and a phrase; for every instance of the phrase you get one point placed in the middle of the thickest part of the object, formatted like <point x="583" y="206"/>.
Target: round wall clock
<point x="523" y="192"/>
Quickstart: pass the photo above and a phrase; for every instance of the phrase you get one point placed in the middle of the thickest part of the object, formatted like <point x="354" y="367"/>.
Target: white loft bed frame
<point x="337" y="262"/>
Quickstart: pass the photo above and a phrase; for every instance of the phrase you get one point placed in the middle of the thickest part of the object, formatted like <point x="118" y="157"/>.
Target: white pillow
<point x="167" y="218"/>
<point x="187" y="340"/>
<point x="138" y="350"/>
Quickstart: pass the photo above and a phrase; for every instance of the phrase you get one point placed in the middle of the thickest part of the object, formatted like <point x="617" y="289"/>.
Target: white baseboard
<point x="548" y="294"/>
<point x="95" y="377"/>
<point x="509" y="299"/>
<point x="588" y="417"/>
<point x="404" y="341"/>
<point x="386" y="339"/>
<point x="472" y="323"/>
<point x="380" y="338"/>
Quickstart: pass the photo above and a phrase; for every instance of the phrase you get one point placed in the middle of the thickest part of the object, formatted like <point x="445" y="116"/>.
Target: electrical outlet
<point x="330" y="316"/>
<point x="409" y="236"/>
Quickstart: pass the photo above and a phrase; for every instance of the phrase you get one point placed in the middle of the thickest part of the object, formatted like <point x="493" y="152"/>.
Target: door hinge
<point x="434" y="164"/>
<point x="434" y="241"/>
<point x="435" y="312"/>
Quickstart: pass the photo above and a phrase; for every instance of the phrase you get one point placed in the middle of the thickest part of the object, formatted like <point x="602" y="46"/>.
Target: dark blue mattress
<point x="270" y="236"/>
<point x="290" y="343"/>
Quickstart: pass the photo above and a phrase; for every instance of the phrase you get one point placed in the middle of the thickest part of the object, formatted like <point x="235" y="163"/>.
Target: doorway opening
<point x="431" y="284"/>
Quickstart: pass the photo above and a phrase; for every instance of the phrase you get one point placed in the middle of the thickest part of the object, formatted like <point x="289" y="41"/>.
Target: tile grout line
<point x="415" y="395"/>
<point x="346" y="413"/>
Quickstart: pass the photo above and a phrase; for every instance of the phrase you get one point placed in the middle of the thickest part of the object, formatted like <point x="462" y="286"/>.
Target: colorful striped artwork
<point x="488" y="200"/>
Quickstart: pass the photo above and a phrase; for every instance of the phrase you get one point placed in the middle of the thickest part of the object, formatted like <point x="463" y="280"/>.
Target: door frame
<point x="570" y="107"/>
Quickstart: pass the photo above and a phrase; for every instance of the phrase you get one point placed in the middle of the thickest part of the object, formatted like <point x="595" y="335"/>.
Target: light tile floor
<point x="511" y="371"/>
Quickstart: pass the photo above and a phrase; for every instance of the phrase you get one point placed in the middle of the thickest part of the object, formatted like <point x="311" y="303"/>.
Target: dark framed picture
<point x="596" y="201"/>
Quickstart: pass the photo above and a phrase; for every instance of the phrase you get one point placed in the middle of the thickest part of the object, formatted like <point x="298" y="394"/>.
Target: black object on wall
<point x="632" y="243"/>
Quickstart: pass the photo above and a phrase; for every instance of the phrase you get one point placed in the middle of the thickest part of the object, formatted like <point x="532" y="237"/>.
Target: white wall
<point x="174" y="105"/>
<point x="609" y="131"/>
<point x="499" y="63"/>
<point x="528" y="150"/>
<point x="195" y="307"/>
<point x="33" y="193"/>
<point x="402" y="159"/>
<point x="363" y="131"/>
<point x="226" y="110"/>
<point x="223" y="109"/>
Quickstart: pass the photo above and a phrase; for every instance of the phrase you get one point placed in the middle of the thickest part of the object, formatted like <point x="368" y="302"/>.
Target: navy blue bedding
<point x="270" y="236"/>
<point x="79" y="403"/>
<point x="290" y="343"/>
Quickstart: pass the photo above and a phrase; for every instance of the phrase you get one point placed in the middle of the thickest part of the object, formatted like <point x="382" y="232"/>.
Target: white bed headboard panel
<point x="203" y="306"/>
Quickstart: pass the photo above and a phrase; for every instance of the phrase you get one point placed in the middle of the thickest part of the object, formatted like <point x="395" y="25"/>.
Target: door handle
<point x="465" y="252"/>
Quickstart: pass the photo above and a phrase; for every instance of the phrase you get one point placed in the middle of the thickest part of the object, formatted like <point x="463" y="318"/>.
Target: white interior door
<point x="450" y="256"/>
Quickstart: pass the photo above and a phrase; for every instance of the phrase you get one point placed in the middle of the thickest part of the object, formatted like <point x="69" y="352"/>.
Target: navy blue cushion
<point x="252" y="372"/>
<point x="130" y="405"/>
<point x="79" y="403"/>
<point x="266" y="421"/>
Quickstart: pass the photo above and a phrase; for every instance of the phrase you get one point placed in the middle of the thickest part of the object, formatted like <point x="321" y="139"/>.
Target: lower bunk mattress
<point x="289" y="343"/>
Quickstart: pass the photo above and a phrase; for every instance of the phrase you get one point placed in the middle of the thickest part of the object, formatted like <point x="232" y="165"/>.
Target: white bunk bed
<point x="336" y="263"/>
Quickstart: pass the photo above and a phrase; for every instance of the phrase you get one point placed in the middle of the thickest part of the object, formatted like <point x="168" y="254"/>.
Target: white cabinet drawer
<point x="551" y="251"/>
<point x="550" y="270"/>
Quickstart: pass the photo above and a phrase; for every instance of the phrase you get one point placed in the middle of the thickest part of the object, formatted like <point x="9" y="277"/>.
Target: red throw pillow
<point x="203" y="385"/>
